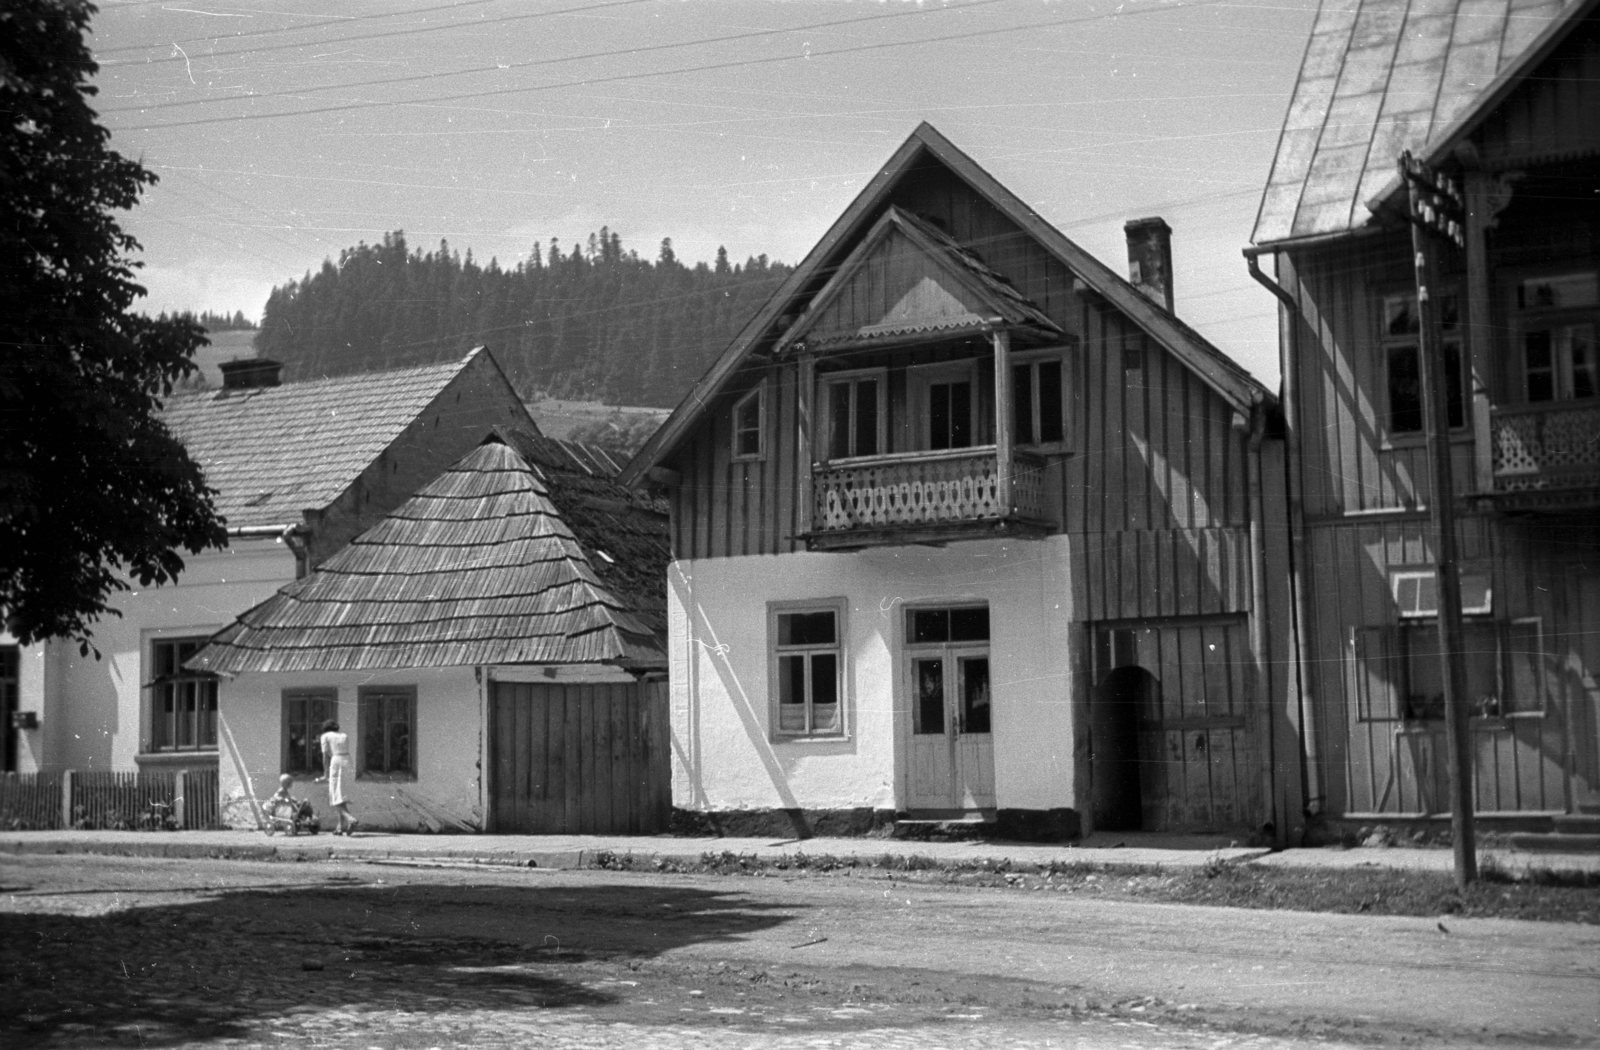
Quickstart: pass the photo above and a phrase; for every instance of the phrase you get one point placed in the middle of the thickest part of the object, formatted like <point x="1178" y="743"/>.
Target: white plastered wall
<point x="95" y="715"/>
<point x="724" y="755"/>
<point x="447" y="792"/>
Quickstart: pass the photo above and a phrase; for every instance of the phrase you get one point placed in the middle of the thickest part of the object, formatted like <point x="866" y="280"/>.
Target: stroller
<point x="290" y="815"/>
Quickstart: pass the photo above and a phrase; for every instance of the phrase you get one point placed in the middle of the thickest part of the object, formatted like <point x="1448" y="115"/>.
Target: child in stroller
<point x="288" y="814"/>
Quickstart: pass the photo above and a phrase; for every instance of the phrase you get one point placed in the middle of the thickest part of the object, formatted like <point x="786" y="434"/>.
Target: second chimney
<point x="247" y="373"/>
<point x="1150" y="257"/>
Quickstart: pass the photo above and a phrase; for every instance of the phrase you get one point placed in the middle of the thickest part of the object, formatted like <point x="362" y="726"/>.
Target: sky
<point x="283" y="133"/>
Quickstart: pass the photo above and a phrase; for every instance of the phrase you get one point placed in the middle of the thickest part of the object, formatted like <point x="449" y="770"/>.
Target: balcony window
<point x="1556" y="333"/>
<point x="855" y="414"/>
<point x="1038" y="401"/>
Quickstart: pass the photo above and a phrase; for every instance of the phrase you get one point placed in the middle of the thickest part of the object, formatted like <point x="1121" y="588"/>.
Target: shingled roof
<point x="273" y="452"/>
<point x="1383" y="76"/>
<point x="477" y="568"/>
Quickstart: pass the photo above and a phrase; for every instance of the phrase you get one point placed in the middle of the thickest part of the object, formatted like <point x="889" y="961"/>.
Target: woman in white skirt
<point x="336" y="762"/>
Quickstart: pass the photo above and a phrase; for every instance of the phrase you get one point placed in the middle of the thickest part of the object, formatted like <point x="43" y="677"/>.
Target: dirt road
<point x="111" y="951"/>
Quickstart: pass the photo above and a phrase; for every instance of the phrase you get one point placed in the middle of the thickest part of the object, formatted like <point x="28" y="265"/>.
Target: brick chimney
<point x="1150" y="257"/>
<point x="246" y="373"/>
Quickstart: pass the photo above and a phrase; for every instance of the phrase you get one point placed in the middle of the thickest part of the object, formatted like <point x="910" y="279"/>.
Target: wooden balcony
<point x="924" y="497"/>
<point x="1546" y="455"/>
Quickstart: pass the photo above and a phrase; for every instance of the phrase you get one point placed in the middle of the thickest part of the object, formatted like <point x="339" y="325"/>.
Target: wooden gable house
<point x="1503" y="96"/>
<point x="496" y="668"/>
<point x="956" y="502"/>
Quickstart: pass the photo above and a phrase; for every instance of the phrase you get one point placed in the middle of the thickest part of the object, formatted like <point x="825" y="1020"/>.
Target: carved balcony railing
<point x="1546" y="447"/>
<point x="930" y="492"/>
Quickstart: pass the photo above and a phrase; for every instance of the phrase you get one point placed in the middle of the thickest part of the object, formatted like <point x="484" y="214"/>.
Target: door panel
<point x="952" y="751"/>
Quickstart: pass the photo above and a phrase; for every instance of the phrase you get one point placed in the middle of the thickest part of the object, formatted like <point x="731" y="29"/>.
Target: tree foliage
<point x="596" y="322"/>
<point x="93" y="488"/>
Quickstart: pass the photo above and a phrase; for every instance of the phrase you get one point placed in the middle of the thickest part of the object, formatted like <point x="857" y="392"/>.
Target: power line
<point x="414" y="78"/>
<point x="347" y="107"/>
<point x="358" y="36"/>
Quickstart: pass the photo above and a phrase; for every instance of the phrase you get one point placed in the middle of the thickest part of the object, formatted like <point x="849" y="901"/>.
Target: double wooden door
<point x="951" y="760"/>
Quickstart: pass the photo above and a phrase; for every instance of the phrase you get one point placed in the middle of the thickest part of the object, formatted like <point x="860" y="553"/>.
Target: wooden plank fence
<point x="142" y="801"/>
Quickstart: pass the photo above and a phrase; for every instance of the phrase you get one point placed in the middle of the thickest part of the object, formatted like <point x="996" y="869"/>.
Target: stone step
<point x="1553" y="842"/>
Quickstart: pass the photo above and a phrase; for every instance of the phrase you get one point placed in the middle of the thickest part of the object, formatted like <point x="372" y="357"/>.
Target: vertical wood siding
<point x="1554" y="112"/>
<point x="579" y="759"/>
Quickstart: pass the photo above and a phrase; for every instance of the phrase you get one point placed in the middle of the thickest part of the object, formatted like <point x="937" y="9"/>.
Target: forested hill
<point x="595" y="322"/>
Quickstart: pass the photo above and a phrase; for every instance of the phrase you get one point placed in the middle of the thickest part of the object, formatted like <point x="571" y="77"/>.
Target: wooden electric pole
<point x="1436" y="213"/>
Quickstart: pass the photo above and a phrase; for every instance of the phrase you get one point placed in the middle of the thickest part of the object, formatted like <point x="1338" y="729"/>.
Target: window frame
<point x="758" y="395"/>
<point x="366" y="696"/>
<point x="1392" y="645"/>
<point x="319" y="694"/>
<point x="922" y="378"/>
<point x="1031" y="359"/>
<point x="1551" y="318"/>
<point x="775" y="653"/>
<point x="1401" y="576"/>
<point x="827" y="380"/>
<point x="951" y="653"/>
<point x="1391" y="343"/>
<point x="158" y="685"/>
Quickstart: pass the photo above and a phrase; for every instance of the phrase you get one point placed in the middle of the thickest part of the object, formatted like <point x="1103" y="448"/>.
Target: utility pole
<point x="1436" y="212"/>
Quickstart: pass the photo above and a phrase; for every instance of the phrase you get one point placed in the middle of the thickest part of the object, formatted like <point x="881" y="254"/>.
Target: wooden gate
<point x="579" y="759"/>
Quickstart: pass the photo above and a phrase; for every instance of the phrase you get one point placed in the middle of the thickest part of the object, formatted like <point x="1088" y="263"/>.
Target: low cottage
<point x="491" y="675"/>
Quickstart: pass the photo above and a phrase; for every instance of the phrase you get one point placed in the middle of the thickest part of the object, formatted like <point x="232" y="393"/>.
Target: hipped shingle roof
<point x="477" y="568"/>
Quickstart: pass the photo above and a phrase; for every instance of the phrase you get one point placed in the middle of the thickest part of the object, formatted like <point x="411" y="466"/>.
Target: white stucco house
<point x="967" y="526"/>
<point x="300" y="468"/>
<point x="494" y="647"/>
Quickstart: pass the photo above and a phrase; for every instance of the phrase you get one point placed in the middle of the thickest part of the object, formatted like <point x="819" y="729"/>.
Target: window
<point x="1416" y="592"/>
<point x="807" y="667"/>
<point x="1039" y="401"/>
<point x="1403" y="357"/>
<point x="304" y="711"/>
<point x="1556" y="329"/>
<point x="1393" y="672"/>
<point x="184" y="703"/>
<point x="388" y="732"/>
<point x="749" y="413"/>
<point x="949" y="651"/>
<point x="10" y="665"/>
<point x="855" y="421"/>
<point x="947" y="401"/>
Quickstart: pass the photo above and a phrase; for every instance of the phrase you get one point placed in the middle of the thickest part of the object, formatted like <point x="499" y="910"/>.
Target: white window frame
<point x="825" y="382"/>
<point x="775" y="652"/>
<point x="154" y="691"/>
<point x="1554" y="319"/>
<point x="759" y="397"/>
<point x="1031" y="359"/>
<point x="1406" y="587"/>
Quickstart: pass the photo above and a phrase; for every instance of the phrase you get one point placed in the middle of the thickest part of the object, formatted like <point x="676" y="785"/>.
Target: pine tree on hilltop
<point x="597" y="322"/>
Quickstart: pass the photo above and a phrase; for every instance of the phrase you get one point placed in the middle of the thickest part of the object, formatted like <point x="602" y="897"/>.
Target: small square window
<point x="808" y="670"/>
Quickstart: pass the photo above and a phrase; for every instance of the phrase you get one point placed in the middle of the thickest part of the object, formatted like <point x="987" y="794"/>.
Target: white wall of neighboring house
<point x="31" y="678"/>
<point x="95" y="714"/>
<point x="446" y="794"/>
<point x="724" y="754"/>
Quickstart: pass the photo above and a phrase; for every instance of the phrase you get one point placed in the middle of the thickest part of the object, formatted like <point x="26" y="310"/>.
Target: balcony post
<point x="804" y="453"/>
<point x="1003" y="437"/>
<point x="1477" y="187"/>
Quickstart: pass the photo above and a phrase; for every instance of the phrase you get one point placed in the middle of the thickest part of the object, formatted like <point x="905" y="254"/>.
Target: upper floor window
<point x="184" y="703"/>
<point x="1039" y="401"/>
<point x="1403" y="358"/>
<point x="808" y="668"/>
<point x="1556" y="333"/>
<point x="946" y="405"/>
<point x="749" y="417"/>
<point x="855" y="416"/>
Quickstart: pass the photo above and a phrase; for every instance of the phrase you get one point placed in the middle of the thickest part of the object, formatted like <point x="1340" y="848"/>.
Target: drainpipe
<point x="1288" y="357"/>
<point x="1258" y="606"/>
<point x="293" y="536"/>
